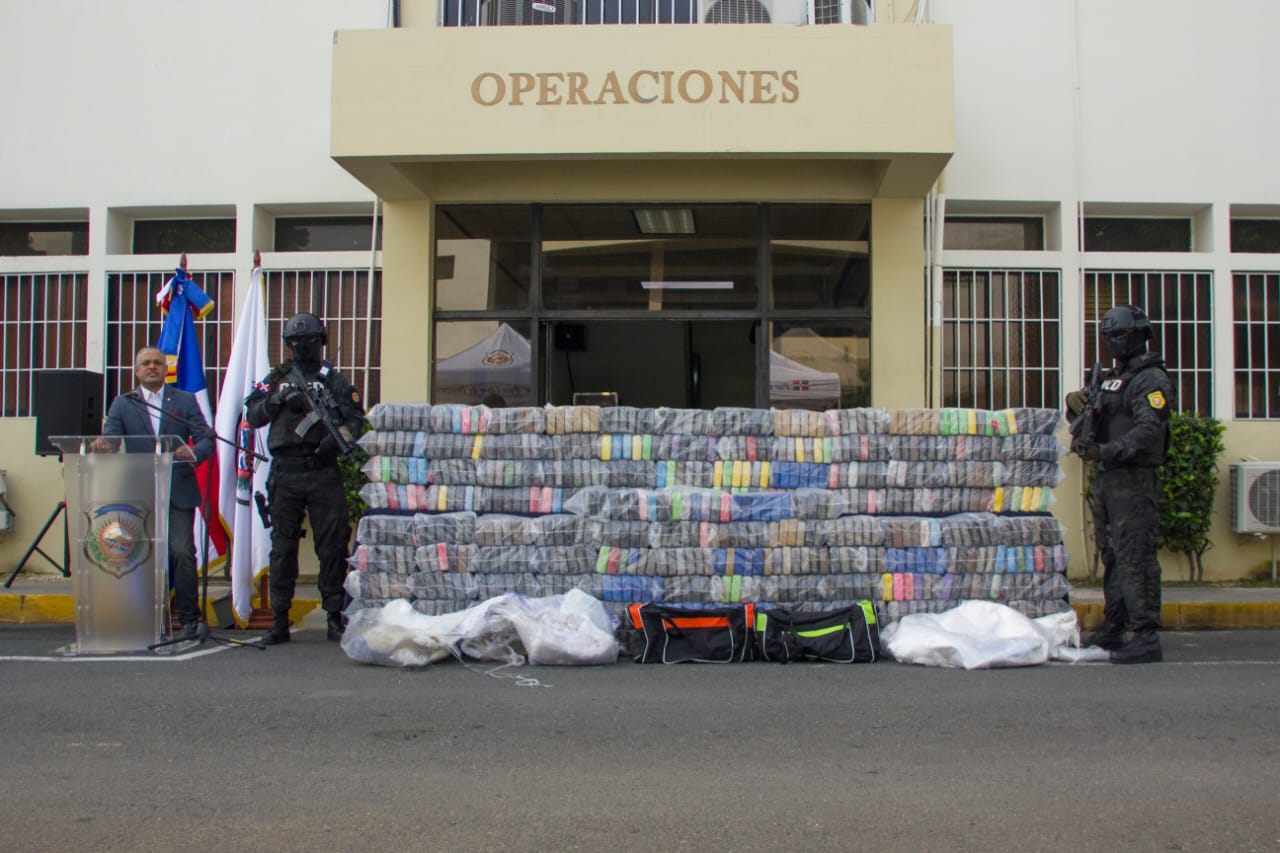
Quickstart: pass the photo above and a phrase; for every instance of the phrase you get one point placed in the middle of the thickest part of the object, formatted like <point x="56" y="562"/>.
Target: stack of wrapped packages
<point x="914" y="509"/>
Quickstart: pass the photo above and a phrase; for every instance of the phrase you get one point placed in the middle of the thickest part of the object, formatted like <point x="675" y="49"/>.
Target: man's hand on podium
<point x="184" y="454"/>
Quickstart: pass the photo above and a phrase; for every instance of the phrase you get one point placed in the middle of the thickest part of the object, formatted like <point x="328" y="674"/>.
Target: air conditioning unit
<point x="754" y="11"/>
<point x="515" y="13"/>
<point x="1255" y="497"/>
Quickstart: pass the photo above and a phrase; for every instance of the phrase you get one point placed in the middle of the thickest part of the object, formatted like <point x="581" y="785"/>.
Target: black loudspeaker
<point x="571" y="337"/>
<point x="67" y="402"/>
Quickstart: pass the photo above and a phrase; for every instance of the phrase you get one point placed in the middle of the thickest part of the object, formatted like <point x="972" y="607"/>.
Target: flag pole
<point x="261" y="617"/>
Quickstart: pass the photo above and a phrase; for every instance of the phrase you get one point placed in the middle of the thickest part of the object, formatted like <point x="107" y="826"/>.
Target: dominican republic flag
<point x="241" y="474"/>
<point x="181" y="301"/>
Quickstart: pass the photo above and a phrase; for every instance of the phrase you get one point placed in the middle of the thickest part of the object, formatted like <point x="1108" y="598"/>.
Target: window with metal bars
<point x="43" y="326"/>
<point x="1179" y="305"/>
<point x="350" y="310"/>
<point x="134" y="321"/>
<point x="1256" y="300"/>
<point x="1001" y="333"/>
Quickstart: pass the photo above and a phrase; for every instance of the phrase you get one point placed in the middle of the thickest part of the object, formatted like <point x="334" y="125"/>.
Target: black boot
<point x="1110" y="639"/>
<point x="278" y="632"/>
<point x="1141" y="649"/>
<point x="334" y="621"/>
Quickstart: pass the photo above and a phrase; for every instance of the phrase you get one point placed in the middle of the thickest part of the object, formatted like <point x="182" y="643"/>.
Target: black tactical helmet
<point x="304" y="325"/>
<point x="1126" y="330"/>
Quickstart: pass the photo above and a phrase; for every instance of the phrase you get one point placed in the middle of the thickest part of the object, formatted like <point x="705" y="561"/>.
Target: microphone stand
<point x="203" y="632"/>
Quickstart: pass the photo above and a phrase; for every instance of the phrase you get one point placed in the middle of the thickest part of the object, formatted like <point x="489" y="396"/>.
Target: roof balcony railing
<point x="496" y="13"/>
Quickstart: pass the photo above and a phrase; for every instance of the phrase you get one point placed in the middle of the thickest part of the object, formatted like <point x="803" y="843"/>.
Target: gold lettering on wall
<point x="689" y="86"/>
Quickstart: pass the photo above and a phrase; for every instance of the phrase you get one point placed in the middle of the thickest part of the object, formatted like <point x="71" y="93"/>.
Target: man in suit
<point x="154" y="408"/>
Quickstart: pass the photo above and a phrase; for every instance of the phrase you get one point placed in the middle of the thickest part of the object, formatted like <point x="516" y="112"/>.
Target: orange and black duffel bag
<point x="667" y="633"/>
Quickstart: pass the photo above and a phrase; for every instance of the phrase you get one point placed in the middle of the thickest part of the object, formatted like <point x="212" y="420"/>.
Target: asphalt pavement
<point x="298" y="748"/>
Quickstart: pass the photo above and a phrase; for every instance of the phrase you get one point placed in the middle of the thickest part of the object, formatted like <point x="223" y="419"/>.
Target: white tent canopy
<point x="499" y="364"/>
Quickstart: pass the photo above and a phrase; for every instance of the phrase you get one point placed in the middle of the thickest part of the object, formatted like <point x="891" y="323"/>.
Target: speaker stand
<point x="65" y="565"/>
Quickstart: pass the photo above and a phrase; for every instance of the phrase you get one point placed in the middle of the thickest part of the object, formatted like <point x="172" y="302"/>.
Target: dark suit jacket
<point x="129" y="415"/>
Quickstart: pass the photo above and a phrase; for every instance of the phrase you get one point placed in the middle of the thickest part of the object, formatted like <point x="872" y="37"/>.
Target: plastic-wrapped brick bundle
<point x="917" y="475"/>
<point x="750" y="448"/>
<point x="611" y="560"/>
<point x="911" y="532"/>
<point x="518" y="419"/>
<point x="858" y="475"/>
<point x="620" y="534"/>
<point x="498" y="530"/>
<point x="450" y="472"/>
<point x="574" y="446"/>
<point x="738" y="561"/>
<point x="947" y="448"/>
<point x="1023" y="559"/>
<point x="1021" y="499"/>
<point x="764" y="506"/>
<point x="561" y="584"/>
<point x="860" y="421"/>
<point x="679" y="534"/>
<point x="568" y="473"/>
<point x="914" y="421"/>
<point x="699" y="475"/>
<point x="541" y="500"/>
<point x="626" y="475"/>
<point x="817" y="504"/>
<point x="682" y="447"/>
<point x="801" y="449"/>
<point x="444" y="557"/>
<point x="682" y="422"/>
<point x="1024" y="472"/>
<point x="859" y="448"/>
<point x="669" y="562"/>
<point x="743" y="534"/>
<point x="386" y="530"/>
<point x="687" y="590"/>
<point x="459" y="588"/>
<point x="799" y="475"/>
<point x="969" y="529"/>
<point x="394" y="497"/>
<point x="383" y="559"/>
<point x="589" y="501"/>
<point x="849" y="561"/>
<point x="559" y="529"/>
<point x="525" y="583"/>
<point x="458" y="418"/>
<point x="619" y="446"/>
<point x="853" y="531"/>
<point x="441" y="498"/>
<point x="566" y="419"/>
<point x="1033" y="447"/>
<point x="739" y="476"/>
<point x="501" y="559"/>
<point x="631" y="588"/>
<point x="454" y="528"/>
<point x="796" y="533"/>
<point x="392" y="443"/>
<point x="978" y="474"/>
<point x="976" y="559"/>
<point x="1029" y="530"/>
<point x="516" y="446"/>
<point x="627" y="419"/>
<point x="395" y="469"/>
<point x="727" y="420"/>
<point x="800" y="423"/>
<point x="797" y="561"/>
<point x="563" y="559"/>
<point x="444" y="446"/>
<point x="1035" y="421"/>
<point x="409" y="417"/>
<point x="933" y="561"/>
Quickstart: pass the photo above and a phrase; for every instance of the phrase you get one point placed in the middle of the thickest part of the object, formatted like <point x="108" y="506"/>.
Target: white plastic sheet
<point x="984" y="635"/>
<point x="564" y="630"/>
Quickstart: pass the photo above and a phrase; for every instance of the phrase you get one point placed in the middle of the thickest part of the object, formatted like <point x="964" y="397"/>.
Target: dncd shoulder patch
<point x="1156" y="399"/>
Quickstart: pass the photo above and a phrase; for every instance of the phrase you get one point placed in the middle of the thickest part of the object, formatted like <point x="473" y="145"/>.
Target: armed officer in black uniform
<point x="1130" y="419"/>
<point x="304" y="468"/>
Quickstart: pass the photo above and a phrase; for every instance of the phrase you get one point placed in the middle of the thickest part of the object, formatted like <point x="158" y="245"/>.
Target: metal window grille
<point x="1000" y="334"/>
<point x="1257" y="344"/>
<point x="352" y="314"/>
<point x="477" y="13"/>
<point x="43" y="326"/>
<point x="134" y="321"/>
<point x="1179" y="305"/>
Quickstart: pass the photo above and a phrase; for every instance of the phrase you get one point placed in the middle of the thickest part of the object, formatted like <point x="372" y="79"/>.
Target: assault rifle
<point x="1084" y="428"/>
<point x="320" y="410"/>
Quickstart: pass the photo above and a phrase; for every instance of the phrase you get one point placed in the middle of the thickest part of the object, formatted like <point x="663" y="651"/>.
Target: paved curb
<point x="1196" y="615"/>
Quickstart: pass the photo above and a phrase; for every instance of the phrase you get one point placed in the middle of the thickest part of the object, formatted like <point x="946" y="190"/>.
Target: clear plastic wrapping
<point x="683" y="422"/>
<point x="409" y="417"/>
<point x="627" y="419"/>
<point x="568" y="419"/>
<point x="735" y="421"/>
<point x="802" y="423"/>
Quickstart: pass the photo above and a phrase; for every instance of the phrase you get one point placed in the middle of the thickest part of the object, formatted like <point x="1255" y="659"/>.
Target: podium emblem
<point x="117" y="541"/>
